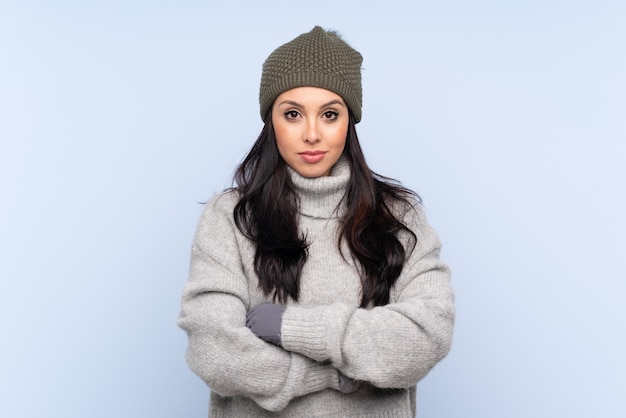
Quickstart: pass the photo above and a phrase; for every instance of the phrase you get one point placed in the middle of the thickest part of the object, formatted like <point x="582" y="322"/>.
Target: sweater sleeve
<point x="222" y="350"/>
<point x="391" y="346"/>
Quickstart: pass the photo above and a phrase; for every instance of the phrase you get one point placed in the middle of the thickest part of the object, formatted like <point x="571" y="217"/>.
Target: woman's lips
<point x="312" y="156"/>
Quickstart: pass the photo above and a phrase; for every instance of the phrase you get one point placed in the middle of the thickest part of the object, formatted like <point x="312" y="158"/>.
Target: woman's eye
<point x="331" y="114"/>
<point x="292" y="114"/>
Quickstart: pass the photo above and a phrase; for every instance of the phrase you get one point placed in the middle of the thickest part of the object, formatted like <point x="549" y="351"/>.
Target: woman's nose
<point x="312" y="134"/>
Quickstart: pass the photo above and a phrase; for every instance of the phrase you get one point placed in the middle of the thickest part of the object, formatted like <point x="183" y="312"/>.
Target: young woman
<point x="316" y="288"/>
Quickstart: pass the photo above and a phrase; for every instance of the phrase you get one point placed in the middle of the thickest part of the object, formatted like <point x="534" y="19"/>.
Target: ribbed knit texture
<point x="316" y="59"/>
<point x="390" y="347"/>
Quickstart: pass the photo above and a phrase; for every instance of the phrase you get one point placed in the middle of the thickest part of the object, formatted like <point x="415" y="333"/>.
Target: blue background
<point x="118" y="117"/>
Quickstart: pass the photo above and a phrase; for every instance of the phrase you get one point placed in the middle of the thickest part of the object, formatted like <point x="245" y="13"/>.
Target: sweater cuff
<point x="319" y="377"/>
<point x="305" y="377"/>
<point x="316" y="332"/>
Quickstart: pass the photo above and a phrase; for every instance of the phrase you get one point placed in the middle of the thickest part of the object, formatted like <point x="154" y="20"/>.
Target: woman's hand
<point x="347" y="384"/>
<point x="265" y="321"/>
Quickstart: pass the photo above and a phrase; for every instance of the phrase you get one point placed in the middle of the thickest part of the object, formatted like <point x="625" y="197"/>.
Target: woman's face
<point x="310" y="125"/>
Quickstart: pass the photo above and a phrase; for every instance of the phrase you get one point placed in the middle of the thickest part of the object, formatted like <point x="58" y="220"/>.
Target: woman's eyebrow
<point x="290" y="103"/>
<point x="333" y="102"/>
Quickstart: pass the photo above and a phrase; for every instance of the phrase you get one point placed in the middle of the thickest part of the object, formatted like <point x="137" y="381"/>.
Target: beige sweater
<point x="388" y="348"/>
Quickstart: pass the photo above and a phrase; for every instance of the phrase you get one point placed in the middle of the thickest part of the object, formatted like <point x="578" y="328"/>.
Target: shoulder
<point x="409" y="209"/>
<point x="223" y="202"/>
<point x="414" y="212"/>
<point x="406" y="207"/>
<point x="218" y="211"/>
<point x="398" y="200"/>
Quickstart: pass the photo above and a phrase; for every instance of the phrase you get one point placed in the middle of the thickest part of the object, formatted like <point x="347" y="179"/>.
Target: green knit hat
<point x="315" y="59"/>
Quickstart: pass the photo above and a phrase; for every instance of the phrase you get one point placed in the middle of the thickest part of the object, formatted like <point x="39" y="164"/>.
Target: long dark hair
<point x="267" y="214"/>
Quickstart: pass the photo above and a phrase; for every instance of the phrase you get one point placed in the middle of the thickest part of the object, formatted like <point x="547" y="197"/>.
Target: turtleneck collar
<point x="320" y="196"/>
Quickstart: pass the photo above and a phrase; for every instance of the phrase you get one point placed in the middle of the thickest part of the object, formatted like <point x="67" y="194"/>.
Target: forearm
<point x="234" y="362"/>
<point x="390" y="346"/>
<point x="381" y="346"/>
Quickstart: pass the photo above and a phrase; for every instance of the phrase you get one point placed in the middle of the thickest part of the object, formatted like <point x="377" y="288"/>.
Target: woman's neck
<point x="320" y="196"/>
